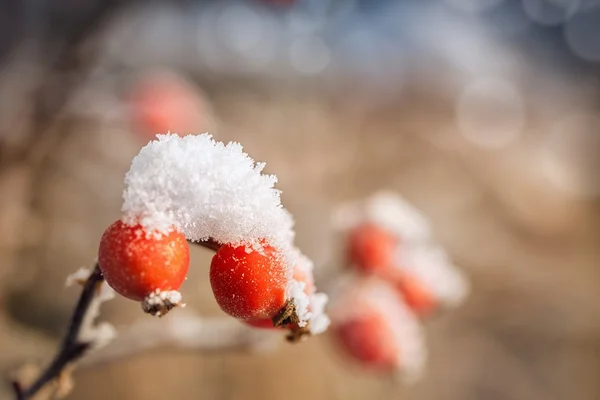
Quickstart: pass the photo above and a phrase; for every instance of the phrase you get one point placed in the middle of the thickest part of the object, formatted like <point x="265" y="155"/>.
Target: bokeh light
<point x="582" y="33"/>
<point x="490" y="113"/>
<point x="571" y="155"/>
<point x="309" y="55"/>
<point x="550" y="12"/>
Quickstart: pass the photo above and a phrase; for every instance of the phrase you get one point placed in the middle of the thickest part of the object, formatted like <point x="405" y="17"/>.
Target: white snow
<point x="207" y="189"/>
<point x="388" y="210"/>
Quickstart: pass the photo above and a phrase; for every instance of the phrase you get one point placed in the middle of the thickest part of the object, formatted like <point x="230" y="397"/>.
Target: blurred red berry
<point x="162" y="103"/>
<point x="368" y="322"/>
<point x="369" y="339"/>
<point x="136" y="263"/>
<point x="372" y="248"/>
<point x="416" y="295"/>
<point x="249" y="284"/>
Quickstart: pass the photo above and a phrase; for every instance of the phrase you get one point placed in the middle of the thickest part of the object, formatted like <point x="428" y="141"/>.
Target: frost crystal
<point x="210" y="190"/>
<point x="207" y="190"/>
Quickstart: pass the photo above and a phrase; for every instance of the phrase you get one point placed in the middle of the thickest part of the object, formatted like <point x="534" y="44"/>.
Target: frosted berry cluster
<point x="193" y="188"/>
<point x="399" y="275"/>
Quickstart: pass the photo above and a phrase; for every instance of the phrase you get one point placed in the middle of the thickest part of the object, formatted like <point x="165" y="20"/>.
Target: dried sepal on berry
<point x="301" y="290"/>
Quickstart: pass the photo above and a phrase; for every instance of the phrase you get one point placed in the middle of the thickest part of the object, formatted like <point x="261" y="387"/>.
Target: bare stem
<point x="210" y="244"/>
<point x="71" y="347"/>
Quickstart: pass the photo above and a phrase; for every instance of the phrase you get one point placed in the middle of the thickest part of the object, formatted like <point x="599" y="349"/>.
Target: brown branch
<point x="185" y="331"/>
<point x="71" y="348"/>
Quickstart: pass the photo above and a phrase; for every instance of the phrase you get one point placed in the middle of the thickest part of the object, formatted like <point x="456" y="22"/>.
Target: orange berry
<point x="371" y="248"/>
<point x="416" y="295"/>
<point x="136" y="263"/>
<point x="249" y="284"/>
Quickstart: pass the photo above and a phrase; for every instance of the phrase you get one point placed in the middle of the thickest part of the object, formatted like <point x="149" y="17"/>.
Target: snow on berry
<point x="387" y="237"/>
<point x="430" y="267"/>
<point x="213" y="191"/>
<point x="372" y="325"/>
<point x="313" y="309"/>
<point x="388" y="210"/>
<point x="207" y="190"/>
<point x="249" y="284"/>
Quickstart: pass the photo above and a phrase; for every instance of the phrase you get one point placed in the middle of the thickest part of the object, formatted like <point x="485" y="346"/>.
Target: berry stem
<point x="210" y="244"/>
<point x="71" y="347"/>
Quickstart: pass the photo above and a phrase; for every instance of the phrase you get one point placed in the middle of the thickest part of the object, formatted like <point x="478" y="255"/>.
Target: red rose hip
<point x="142" y="265"/>
<point x="247" y="283"/>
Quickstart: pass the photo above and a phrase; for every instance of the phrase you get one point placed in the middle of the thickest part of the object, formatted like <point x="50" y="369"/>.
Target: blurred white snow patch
<point x="430" y="265"/>
<point x="388" y="210"/>
<point x="207" y="189"/>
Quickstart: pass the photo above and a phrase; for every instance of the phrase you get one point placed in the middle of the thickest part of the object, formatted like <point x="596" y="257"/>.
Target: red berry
<point x="136" y="263"/>
<point x="247" y="283"/>
<point x="416" y="295"/>
<point x="163" y="103"/>
<point x="369" y="339"/>
<point x="363" y="316"/>
<point x="372" y="248"/>
<point x="300" y="275"/>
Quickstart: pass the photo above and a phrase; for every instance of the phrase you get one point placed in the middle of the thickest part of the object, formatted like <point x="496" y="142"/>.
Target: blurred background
<point x="482" y="113"/>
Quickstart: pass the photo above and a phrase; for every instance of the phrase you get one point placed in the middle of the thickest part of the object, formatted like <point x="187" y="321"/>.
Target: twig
<point x="197" y="333"/>
<point x="183" y="330"/>
<point x="71" y="348"/>
<point x="210" y="244"/>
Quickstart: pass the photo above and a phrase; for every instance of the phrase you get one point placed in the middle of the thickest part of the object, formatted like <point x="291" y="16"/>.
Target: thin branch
<point x="210" y="244"/>
<point x="183" y="330"/>
<point x="71" y="348"/>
